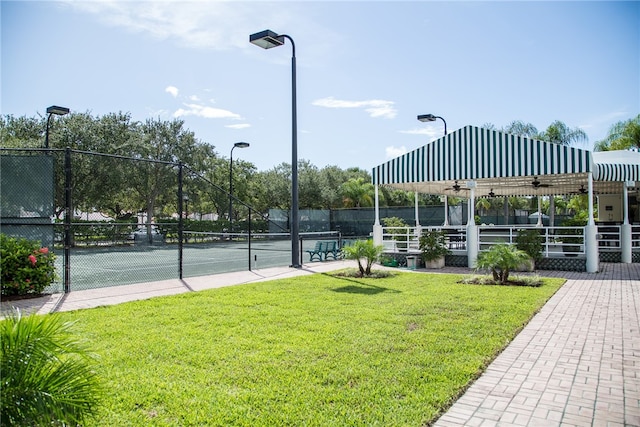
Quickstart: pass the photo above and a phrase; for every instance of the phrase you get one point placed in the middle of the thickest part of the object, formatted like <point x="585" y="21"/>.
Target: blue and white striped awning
<point x="496" y="161"/>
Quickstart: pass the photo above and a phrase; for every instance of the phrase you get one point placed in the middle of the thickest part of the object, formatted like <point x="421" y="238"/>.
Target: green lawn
<point x="315" y="350"/>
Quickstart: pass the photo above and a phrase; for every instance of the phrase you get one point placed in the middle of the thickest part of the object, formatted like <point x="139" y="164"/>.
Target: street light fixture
<point x="238" y="145"/>
<point x="432" y="118"/>
<point x="267" y="39"/>
<point x="58" y="111"/>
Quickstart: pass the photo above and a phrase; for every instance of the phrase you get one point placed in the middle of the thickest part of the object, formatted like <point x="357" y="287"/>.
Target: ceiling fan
<point x="581" y="190"/>
<point x="456" y="187"/>
<point x="537" y="184"/>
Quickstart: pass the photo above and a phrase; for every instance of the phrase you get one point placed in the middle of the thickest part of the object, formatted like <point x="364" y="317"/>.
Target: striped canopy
<point x="499" y="163"/>
<point x="622" y="165"/>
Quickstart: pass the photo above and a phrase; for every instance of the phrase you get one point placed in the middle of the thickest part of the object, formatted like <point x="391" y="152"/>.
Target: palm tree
<point x="518" y="127"/>
<point x="483" y="204"/>
<point x="622" y="135"/>
<point x="357" y="193"/>
<point x="46" y="374"/>
<point x="560" y="133"/>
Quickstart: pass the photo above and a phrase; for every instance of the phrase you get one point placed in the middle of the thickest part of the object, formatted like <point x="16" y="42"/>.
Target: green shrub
<point x="25" y="267"/>
<point x="501" y="259"/>
<point x="363" y="249"/>
<point x="46" y="374"/>
<point x="398" y="226"/>
<point x="530" y="241"/>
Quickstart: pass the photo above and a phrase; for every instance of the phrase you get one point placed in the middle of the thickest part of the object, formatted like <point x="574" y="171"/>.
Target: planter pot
<point x="436" y="263"/>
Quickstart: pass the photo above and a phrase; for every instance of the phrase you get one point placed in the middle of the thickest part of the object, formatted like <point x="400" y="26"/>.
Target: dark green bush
<point x="25" y="267"/>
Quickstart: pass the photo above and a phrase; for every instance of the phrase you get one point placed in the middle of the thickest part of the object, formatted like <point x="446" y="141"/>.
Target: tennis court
<point x="203" y="254"/>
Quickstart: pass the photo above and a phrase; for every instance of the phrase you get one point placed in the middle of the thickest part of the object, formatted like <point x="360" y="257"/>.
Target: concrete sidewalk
<point x="577" y="363"/>
<point x="91" y="298"/>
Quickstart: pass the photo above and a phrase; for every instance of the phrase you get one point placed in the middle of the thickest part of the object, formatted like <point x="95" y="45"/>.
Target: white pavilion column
<point x="539" y="223"/>
<point x="625" y="228"/>
<point x="417" y="213"/>
<point x="590" y="234"/>
<point x="446" y="211"/>
<point x="472" y="229"/>
<point x="377" y="228"/>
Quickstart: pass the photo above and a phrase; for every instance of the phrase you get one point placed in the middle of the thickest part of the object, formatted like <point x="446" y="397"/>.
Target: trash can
<point x="412" y="262"/>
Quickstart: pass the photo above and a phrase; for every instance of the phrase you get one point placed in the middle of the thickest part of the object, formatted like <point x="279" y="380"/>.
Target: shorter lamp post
<point x="58" y="111"/>
<point x="238" y="145"/>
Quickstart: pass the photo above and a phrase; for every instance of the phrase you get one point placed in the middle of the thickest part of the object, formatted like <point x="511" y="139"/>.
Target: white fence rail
<point x="556" y="241"/>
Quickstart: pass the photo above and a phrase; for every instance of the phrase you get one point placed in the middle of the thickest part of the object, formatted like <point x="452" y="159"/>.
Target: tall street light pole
<point x="59" y="111"/>
<point x="432" y="118"/>
<point x="238" y="145"/>
<point x="267" y="39"/>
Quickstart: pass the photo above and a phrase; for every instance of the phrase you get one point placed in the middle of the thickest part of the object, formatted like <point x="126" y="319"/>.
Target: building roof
<point x="500" y="163"/>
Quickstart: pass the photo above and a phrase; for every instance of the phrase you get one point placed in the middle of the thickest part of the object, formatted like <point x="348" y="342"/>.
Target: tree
<point x="560" y="133"/>
<point x="622" y="135"/>
<point x="309" y="190"/>
<point x="357" y="193"/>
<point x="518" y="127"/>
<point x="330" y="179"/>
<point x="483" y="204"/>
<point x="22" y="132"/>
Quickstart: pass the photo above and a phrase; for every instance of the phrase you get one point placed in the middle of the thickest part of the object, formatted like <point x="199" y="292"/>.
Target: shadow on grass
<point x="358" y="287"/>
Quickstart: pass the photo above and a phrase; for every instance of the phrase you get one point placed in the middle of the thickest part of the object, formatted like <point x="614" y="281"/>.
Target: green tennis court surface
<point x="98" y="267"/>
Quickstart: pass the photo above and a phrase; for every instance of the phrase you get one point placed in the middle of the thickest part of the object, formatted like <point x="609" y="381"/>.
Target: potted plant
<point x="529" y="241"/>
<point x="572" y="238"/>
<point x="433" y="244"/>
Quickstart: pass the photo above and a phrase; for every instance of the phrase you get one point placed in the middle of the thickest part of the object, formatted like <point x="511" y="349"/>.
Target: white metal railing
<point x="401" y="239"/>
<point x="556" y="241"/>
<point x="609" y="238"/>
<point x="407" y="239"/>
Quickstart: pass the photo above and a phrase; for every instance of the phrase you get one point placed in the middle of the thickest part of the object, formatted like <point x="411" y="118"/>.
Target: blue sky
<point x="365" y="69"/>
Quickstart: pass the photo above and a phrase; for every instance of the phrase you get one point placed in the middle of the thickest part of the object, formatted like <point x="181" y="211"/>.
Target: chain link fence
<point x="113" y="220"/>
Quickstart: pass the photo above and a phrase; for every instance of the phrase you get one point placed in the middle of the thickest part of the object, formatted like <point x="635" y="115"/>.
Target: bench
<point x="316" y="252"/>
<point x="323" y="250"/>
<point x="331" y="250"/>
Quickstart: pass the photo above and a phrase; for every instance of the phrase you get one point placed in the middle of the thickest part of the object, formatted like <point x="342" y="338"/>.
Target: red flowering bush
<point x="25" y="267"/>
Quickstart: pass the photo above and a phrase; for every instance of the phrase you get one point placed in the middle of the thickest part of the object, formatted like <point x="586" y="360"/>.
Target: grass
<point x="316" y="350"/>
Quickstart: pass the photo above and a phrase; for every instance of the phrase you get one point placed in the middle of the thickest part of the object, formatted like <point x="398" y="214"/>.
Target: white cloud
<point x="172" y="90"/>
<point x="375" y="107"/>
<point x="194" y="98"/>
<point x="207" y="24"/>
<point x="432" y="132"/>
<point x="393" y="152"/>
<point x="206" y="112"/>
<point x="239" y="126"/>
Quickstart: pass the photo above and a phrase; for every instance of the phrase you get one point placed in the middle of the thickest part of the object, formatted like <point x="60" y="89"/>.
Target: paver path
<point x="577" y="363"/>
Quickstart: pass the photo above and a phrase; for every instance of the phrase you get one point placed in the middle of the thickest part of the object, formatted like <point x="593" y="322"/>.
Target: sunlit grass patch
<point x="314" y="350"/>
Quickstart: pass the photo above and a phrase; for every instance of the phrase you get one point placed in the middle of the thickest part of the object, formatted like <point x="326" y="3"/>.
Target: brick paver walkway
<point x="577" y="363"/>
